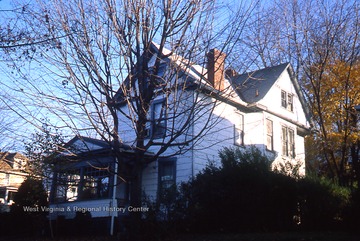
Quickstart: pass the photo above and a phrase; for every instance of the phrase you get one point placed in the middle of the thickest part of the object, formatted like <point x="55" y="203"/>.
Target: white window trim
<point x="239" y="134"/>
<point x="285" y="102"/>
<point x="290" y="147"/>
<point x="271" y="135"/>
<point x="151" y="125"/>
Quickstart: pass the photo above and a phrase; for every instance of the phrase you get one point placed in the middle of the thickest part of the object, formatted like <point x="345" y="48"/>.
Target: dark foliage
<point x="241" y="195"/>
<point x="31" y="193"/>
<point x="322" y="203"/>
<point x="244" y="195"/>
<point x="352" y="212"/>
<point x="28" y="214"/>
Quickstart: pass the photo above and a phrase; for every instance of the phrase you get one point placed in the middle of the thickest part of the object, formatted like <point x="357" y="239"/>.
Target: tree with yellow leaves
<point x="333" y="91"/>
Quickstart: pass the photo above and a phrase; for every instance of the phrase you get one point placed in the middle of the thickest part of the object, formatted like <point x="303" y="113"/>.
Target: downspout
<point x="192" y="144"/>
<point x="113" y="201"/>
<point x="264" y="133"/>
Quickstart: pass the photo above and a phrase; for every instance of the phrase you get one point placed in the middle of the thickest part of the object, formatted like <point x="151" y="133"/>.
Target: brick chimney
<point x="216" y="68"/>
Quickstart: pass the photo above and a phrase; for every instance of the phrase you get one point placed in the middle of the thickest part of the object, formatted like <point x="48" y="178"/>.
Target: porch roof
<point x="84" y="151"/>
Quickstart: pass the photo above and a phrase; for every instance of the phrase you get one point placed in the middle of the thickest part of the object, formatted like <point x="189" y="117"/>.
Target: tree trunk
<point x="135" y="202"/>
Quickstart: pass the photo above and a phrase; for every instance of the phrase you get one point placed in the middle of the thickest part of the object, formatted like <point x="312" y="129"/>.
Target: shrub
<point x="31" y="194"/>
<point x="352" y="213"/>
<point x="322" y="203"/>
<point x="241" y="195"/>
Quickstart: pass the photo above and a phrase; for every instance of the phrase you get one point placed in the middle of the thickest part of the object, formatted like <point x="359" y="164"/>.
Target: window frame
<point x="159" y="77"/>
<point x="269" y="135"/>
<point x="290" y="103"/>
<point x="10" y="196"/>
<point x="291" y="142"/>
<point x="239" y="134"/>
<point x="162" y="163"/>
<point x="283" y="99"/>
<point x="160" y="122"/>
<point x="82" y="184"/>
<point x="287" y="100"/>
<point x="288" y="141"/>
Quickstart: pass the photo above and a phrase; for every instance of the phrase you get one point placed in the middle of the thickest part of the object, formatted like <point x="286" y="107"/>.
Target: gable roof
<point x="196" y="73"/>
<point x="5" y="166"/>
<point x="11" y="156"/>
<point x="249" y="88"/>
<point x="253" y="86"/>
<point x="84" y="146"/>
<point x="87" y="140"/>
<point x="8" y="159"/>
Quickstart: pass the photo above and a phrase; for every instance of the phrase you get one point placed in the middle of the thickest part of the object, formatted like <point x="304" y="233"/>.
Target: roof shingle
<point x="253" y="86"/>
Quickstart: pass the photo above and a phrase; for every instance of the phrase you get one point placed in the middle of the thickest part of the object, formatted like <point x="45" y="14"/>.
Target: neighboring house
<point x="264" y="108"/>
<point x="12" y="175"/>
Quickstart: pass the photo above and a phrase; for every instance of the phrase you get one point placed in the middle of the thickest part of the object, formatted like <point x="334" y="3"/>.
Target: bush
<point x="352" y="213"/>
<point x="322" y="203"/>
<point x="31" y="194"/>
<point x="241" y="195"/>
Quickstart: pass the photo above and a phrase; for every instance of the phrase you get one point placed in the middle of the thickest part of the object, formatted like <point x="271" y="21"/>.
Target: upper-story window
<point x="269" y="135"/>
<point x="159" y="75"/>
<point x="7" y="179"/>
<point x="239" y="132"/>
<point x="288" y="141"/>
<point x="158" y="119"/>
<point x="287" y="100"/>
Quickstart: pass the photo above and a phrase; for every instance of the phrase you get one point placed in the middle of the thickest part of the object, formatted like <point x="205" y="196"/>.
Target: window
<point x="167" y="175"/>
<point x="159" y="76"/>
<point x="10" y="197"/>
<point x="287" y="100"/>
<point x="269" y="135"/>
<point x="288" y="141"/>
<point x="290" y="106"/>
<point x="291" y="137"/>
<point x="7" y="179"/>
<point x="283" y="99"/>
<point x="95" y="183"/>
<point x="158" y="119"/>
<point x="239" y="132"/>
<point x="82" y="184"/>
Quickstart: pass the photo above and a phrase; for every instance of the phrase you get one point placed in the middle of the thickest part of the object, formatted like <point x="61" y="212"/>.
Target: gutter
<point x="302" y="129"/>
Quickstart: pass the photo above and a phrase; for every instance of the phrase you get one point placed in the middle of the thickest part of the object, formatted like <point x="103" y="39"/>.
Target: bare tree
<point x="99" y="56"/>
<point x="317" y="37"/>
<point x="8" y="125"/>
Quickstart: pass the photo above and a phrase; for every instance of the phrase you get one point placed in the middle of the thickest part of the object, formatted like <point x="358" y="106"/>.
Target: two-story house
<point x="264" y="108"/>
<point x="12" y="175"/>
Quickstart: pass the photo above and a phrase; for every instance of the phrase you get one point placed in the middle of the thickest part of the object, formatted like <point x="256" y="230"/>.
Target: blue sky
<point x="13" y="84"/>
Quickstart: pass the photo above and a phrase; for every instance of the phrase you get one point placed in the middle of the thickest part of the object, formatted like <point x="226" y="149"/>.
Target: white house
<point x="12" y="174"/>
<point x="263" y="108"/>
